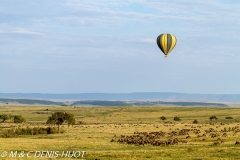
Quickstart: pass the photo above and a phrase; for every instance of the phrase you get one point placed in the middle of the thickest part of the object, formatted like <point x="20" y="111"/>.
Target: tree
<point x="177" y="118"/>
<point x="5" y="117"/>
<point x="163" y="118"/>
<point x="50" y="120"/>
<point x="59" y="118"/>
<point x="18" y="119"/>
<point x="70" y="119"/>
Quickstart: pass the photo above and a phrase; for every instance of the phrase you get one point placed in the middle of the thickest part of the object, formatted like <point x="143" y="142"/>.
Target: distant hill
<point x="145" y="103"/>
<point x="142" y="96"/>
<point x="7" y="101"/>
<point x="29" y="101"/>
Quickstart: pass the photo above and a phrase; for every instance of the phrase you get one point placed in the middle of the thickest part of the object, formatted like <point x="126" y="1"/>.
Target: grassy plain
<point x="100" y="124"/>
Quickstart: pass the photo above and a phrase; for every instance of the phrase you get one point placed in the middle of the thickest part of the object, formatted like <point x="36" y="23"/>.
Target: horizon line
<point x="121" y="93"/>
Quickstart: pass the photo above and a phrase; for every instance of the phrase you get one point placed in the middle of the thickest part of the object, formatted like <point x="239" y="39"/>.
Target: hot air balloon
<point x="166" y="42"/>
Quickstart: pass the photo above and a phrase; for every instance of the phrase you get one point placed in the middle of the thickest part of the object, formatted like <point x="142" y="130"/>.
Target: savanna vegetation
<point x="148" y="132"/>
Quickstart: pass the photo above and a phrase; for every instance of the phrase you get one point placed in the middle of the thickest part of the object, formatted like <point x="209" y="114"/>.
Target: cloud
<point x="19" y="31"/>
<point x="209" y="14"/>
<point x="100" y="14"/>
<point x="189" y="15"/>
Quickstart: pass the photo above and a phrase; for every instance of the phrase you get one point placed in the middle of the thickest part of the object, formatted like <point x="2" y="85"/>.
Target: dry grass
<point x="102" y="123"/>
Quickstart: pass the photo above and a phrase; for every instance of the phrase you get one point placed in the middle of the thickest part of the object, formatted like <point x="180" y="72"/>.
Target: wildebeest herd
<point x="153" y="138"/>
<point x="216" y="134"/>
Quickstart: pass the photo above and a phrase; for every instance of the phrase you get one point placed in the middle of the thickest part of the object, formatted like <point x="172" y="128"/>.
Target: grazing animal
<point x="216" y="143"/>
<point x="237" y="143"/>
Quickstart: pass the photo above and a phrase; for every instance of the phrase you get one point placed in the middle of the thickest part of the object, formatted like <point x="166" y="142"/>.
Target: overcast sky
<point x="109" y="46"/>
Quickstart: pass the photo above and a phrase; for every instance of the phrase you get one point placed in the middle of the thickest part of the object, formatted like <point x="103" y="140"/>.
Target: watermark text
<point x="43" y="154"/>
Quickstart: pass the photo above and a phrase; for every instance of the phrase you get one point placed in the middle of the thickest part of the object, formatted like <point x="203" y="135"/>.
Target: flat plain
<point x="114" y="132"/>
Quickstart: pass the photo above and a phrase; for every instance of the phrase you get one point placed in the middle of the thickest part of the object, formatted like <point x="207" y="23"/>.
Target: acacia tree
<point x="5" y="117"/>
<point x="59" y="118"/>
<point x="50" y="120"/>
<point x="70" y="119"/>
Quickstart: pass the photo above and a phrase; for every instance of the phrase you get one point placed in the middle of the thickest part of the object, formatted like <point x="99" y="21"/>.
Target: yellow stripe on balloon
<point x="164" y="41"/>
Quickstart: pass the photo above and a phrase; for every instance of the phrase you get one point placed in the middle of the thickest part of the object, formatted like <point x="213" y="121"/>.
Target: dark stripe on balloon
<point x="169" y="42"/>
<point x="159" y="43"/>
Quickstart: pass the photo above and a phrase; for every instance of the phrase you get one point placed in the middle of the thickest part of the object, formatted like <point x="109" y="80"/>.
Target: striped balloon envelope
<point x="166" y="42"/>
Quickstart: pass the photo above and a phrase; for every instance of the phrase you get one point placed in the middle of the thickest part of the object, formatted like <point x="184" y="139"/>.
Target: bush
<point x="18" y="131"/>
<point x="213" y="117"/>
<point x="18" y="119"/>
<point x="5" y="117"/>
<point x="195" y="121"/>
<point x="42" y="131"/>
<point x="8" y="134"/>
<point x="163" y="118"/>
<point x="35" y="131"/>
<point x="228" y="118"/>
<point x="30" y="131"/>
<point x="177" y="118"/>
<point x="52" y="130"/>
